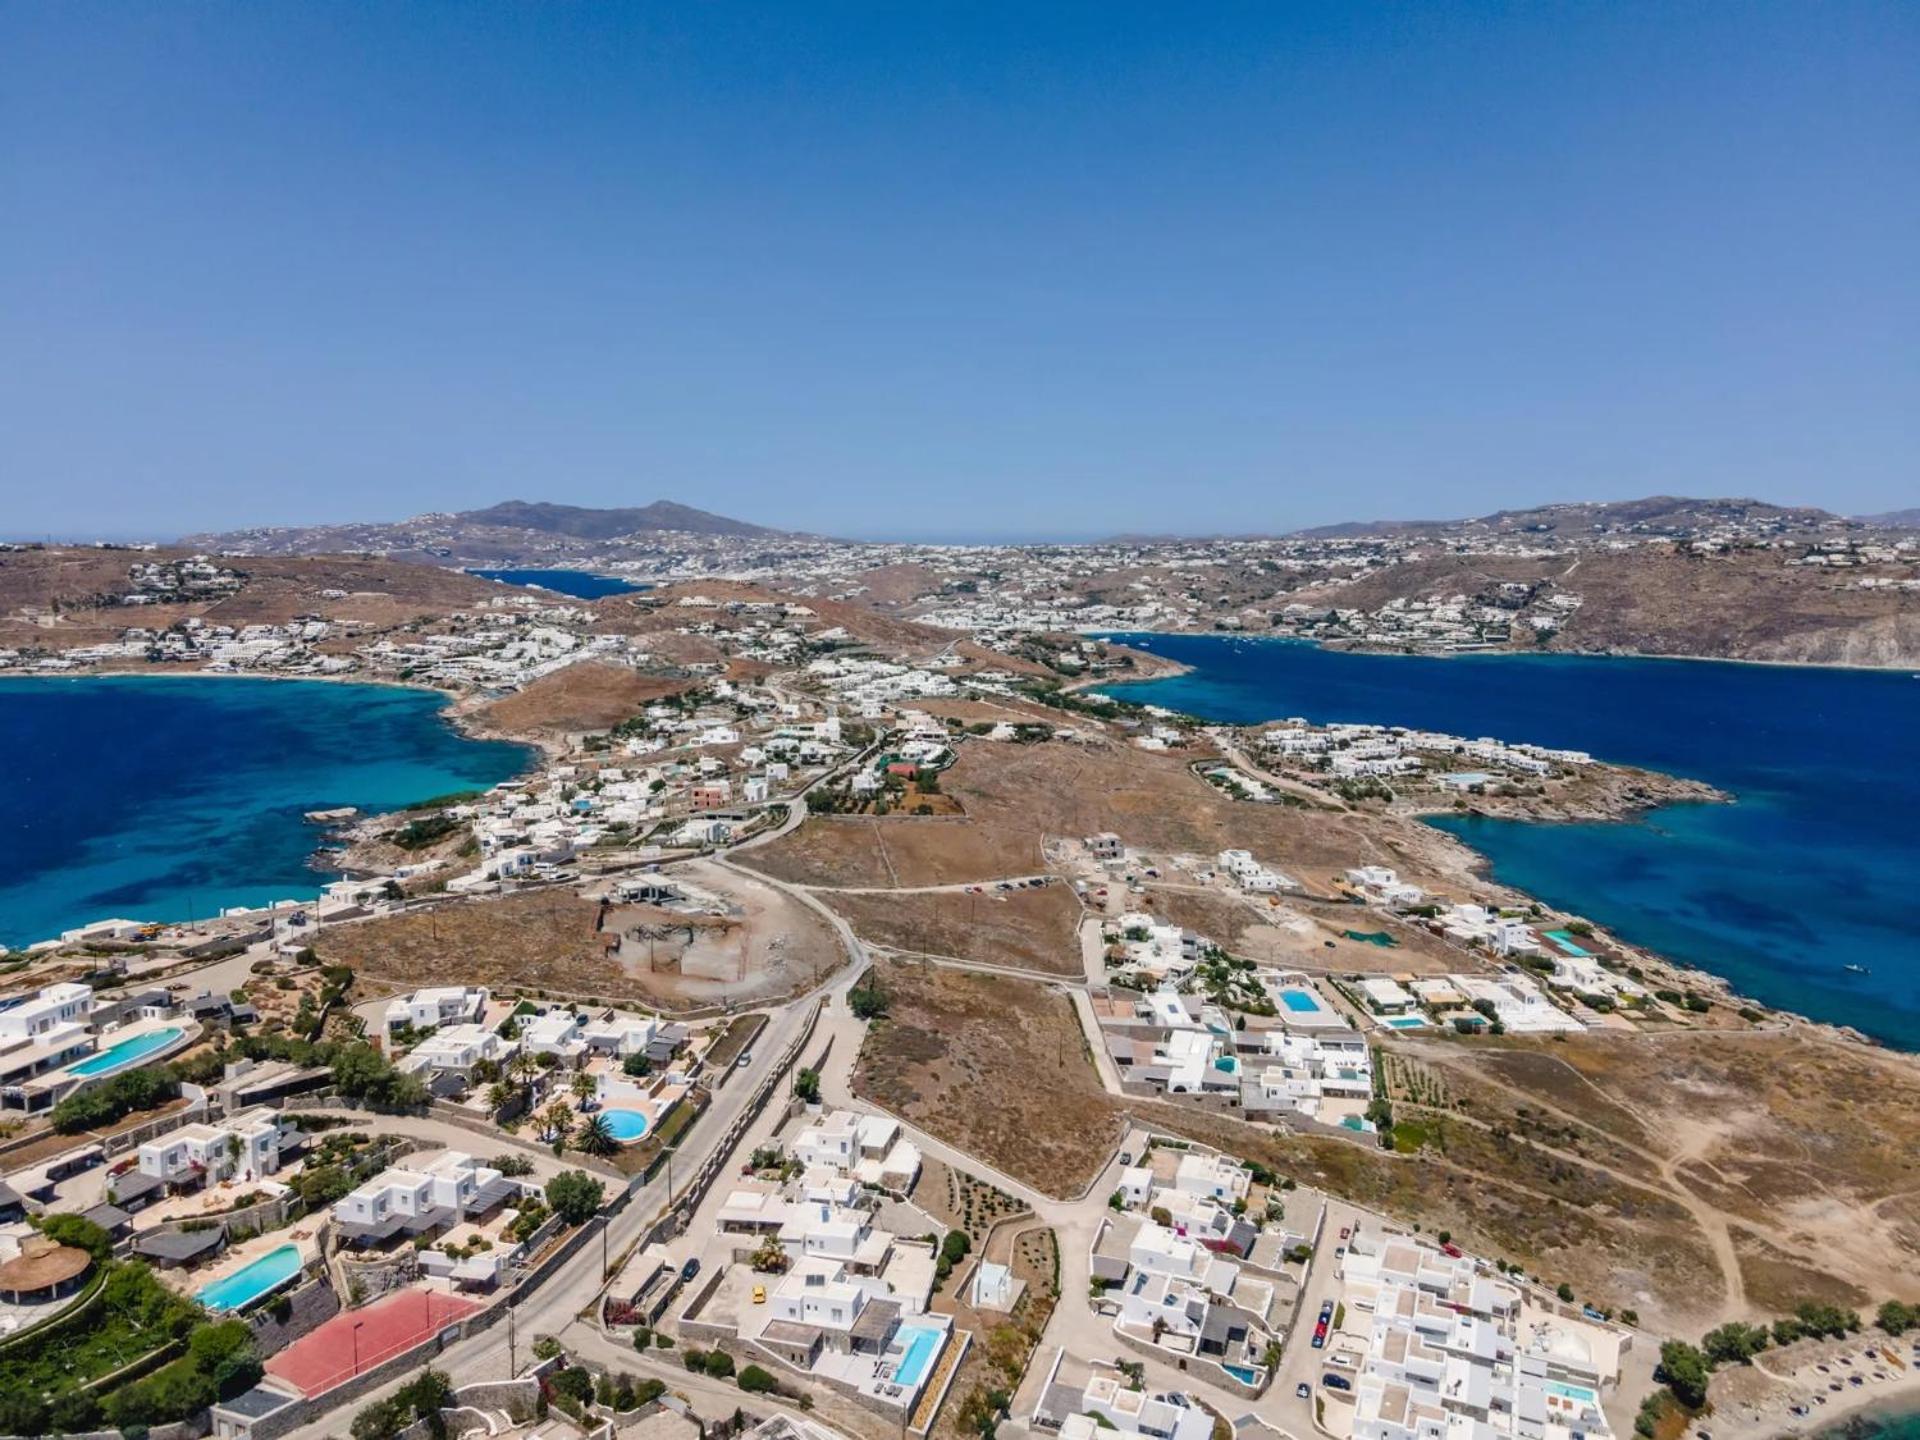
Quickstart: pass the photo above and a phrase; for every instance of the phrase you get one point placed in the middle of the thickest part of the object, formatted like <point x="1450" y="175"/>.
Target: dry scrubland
<point x="589" y="696"/>
<point x="1638" y="1171"/>
<point x="996" y="1067"/>
<point x="545" y="940"/>
<point x="1025" y="929"/>
<point x="1017" y="796"/>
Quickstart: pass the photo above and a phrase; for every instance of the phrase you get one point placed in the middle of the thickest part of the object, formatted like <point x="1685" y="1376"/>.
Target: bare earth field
<point x="1017" y="796"/>
<point x="1798" y="1155"/>
<point x="996" y="1067"/>
<point x="771" y="948"/>
<point x="1025" y="929"/>
<point x="590" y="696"/>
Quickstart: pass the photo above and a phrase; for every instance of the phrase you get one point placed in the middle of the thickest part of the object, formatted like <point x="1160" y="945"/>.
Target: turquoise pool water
<point x="1354" y="1122"/>
<point x="922" y="1344"/>
<point x="134" y="1047"/>
<point x="1245" y="1374"/>
<point x="247" y="1285"/>
<point x="1572" y="1392"/>
<point x="626" y="1126"/>
<point x="1301" y="1002"/>
<point x="1561" y="938"/>
<point x="1406" y="1022"/>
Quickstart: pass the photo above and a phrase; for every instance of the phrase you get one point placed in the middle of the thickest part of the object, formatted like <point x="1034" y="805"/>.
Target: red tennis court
<point x="356" y="1340"/>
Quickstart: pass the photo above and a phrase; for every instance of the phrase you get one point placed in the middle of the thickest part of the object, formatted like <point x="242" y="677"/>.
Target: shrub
<point x="575" y="1196"/>
<point x="756" y="1381"/>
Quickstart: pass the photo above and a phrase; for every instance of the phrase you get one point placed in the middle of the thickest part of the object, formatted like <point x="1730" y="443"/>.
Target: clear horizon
<point x="991" y="273"/>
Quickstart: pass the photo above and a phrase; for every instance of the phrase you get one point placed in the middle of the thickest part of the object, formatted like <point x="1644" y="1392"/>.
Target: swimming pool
<point x="248" y="1284"/>
<point x="1406" y="1022"/>
<point x="626" y="1126"/>
<point x="1572" y="1392"/>
<point x="1565" y="942"/>
<point x="1300" y="1002"/>
<point x="922" y="1344"/>
<point x="1245" y="1374"/>
<point x="134" y="1047"/>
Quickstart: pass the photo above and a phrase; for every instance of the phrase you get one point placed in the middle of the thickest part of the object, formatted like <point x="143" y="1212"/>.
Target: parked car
<point x="759" y="1294"/>
<point x="1336" y="1382"/>
<point x="690" y="1269"/>
<point x="1303" y="1390"/>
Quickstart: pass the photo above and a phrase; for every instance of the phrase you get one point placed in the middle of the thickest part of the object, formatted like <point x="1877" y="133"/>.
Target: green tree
<point x="1896" y="1318"/>
<point x="1684" y="1371"/>
<point x="79" y="1232"/>
<point x="1734" y="1343"/>
<point x="595" y="1137"/>
<point x="575" y="1196"/>
<point x="806" y="1085"/>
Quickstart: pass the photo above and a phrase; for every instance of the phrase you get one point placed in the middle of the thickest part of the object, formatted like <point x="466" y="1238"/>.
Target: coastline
<point x="1768" y="1415"/>
<point x="454" y="713"/>
<point x="1480" y="866"/>
<point x="1506" y="652"/>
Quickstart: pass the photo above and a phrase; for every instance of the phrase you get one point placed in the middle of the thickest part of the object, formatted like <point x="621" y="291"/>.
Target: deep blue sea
<point x="580" y="584"/>
<point x="170" y="798"/>
<point x="1816" y="867"/>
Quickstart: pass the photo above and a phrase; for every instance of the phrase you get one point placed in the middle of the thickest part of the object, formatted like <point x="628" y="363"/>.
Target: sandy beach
<point x="1760" y="1401"/>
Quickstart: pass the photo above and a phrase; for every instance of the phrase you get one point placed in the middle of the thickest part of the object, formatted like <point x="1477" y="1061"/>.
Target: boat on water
<point x="1853" y="969"/>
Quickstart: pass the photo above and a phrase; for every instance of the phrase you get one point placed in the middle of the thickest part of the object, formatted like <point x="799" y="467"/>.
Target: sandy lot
<point x="766" y="948"/>
<point x="994" y="1066"/>
<point x="1026" y="929"/>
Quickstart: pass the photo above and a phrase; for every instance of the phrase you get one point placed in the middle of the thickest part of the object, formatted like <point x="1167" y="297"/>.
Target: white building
<point x="443" y="1005"/>
<point x="438" y="1193"/>
<point x="244" y="1147"/>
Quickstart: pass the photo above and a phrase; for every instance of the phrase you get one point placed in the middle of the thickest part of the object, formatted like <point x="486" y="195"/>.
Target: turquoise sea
<point x="581" y="584"/>
<point x="169" y="798"/>
<point x="1814" y="868"/>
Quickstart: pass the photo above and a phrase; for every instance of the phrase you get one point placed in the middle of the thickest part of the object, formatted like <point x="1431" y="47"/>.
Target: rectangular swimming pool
<point x="248" y="1284"/>
<point x="1565" y="942"/>
<point x="1572" y="1392"/>
<point x="922" y="1344"/>
<point x="1300" y="1002"/>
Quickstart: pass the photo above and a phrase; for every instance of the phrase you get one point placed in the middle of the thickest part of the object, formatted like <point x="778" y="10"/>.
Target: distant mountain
<point x="513" y="532"/>
<point x="1893" y="519"/>
<point x="584" y="523"/>
<point x="1654" y="515"/>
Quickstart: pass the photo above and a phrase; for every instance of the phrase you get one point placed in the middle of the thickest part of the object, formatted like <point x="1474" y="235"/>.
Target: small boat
<point x="1853" y="969"/>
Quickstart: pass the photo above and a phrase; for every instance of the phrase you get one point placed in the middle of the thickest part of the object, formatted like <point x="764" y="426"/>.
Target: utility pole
<point x="513" y="1363"/>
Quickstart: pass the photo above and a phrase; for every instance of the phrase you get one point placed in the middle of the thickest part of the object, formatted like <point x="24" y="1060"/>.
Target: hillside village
<point x="864" y="1026"/>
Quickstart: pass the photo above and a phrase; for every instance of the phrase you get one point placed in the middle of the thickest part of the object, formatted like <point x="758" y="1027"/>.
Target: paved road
<point x="576" y="1287"/>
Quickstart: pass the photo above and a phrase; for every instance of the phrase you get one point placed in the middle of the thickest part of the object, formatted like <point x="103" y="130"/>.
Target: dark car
<point x="690" y="1269"/>
<point x="1303" y="1390"/>
<point x="1336" y="1382"/>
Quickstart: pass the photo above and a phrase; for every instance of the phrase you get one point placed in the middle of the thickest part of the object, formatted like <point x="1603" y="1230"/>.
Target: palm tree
<point x="558" y="1119"/>
<point x="523" y="1067"/>
<point x="498" y="1094"/>
<point x="584" y="1086"/>
<point x="595" y="1137"/>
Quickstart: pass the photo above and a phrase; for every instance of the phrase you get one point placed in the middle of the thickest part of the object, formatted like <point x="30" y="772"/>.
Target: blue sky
<point x="952" y="270"/>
